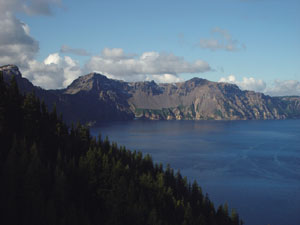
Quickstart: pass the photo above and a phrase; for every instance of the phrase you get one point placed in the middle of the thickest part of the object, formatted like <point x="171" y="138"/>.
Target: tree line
<point x="54" y="174"/>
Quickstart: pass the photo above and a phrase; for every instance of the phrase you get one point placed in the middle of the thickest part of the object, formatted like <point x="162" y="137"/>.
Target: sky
<point x="252" y="43"/>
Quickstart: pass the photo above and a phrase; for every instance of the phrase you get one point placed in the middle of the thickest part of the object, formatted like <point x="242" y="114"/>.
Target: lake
<point x="254" y="166"/>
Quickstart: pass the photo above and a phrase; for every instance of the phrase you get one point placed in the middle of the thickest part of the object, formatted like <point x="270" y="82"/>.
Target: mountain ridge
<point x="94" y="98"/>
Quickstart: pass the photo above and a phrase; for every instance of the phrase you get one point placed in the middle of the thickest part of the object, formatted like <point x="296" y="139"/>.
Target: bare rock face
<point x="199" y="99"/>
<point x="10" y="70"/>
<point x="94" y="98"/>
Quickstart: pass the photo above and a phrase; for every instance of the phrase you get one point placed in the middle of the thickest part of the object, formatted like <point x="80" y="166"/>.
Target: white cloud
<point x="284" y="88"/>
<point x="19" y="48"/>
<point x="221" y="41"/>
<point x="30" y="7"/>
<point x="58" y="72"/>
<point x="52" y="59"/>
<point x="74" y="51"/>
<point x="248" y="83"/>
<point x="16" y="44"/>
<point x="164" y="78"/>
<point x="278" y="88"/>
<point x="54" y="72"/>
<point x="115" y="64"/>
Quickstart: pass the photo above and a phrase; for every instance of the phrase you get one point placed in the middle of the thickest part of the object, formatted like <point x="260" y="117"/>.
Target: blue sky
<point x="253" y="43"/>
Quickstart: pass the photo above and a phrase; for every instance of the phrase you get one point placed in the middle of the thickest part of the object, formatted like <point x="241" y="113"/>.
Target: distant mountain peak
<point x="95" y="97"/>
<point x="197" y="79"/>
<point x="10" y="70"/>
<point x="8" y="67"/>
<point x="96" y="75"/>
<point x="90" y="82"/>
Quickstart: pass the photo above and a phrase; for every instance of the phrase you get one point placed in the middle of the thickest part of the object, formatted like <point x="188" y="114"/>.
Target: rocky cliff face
<point x="89" y="99"/>
<point x="51" y="97"/>
<point x="199" y="99"/>
<point x="95" y="98"/>
<point x="11" y="70"/>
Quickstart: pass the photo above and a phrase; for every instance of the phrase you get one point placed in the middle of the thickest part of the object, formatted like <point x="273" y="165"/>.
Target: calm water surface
<point x="252" y="165"/>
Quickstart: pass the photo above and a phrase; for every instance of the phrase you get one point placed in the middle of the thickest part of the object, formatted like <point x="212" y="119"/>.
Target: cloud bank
<point x="149" y="65"/>
<point x="278" y="88"/>
<point x="16" y="44"/>
<point x="284" y="88"/>
<point x="246" y="84"/>
<point x="54" y="72"/>
<point x="57" y="71"/>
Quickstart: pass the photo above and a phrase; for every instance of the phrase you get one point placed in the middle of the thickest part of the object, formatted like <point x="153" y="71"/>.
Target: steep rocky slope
<point x="94" y="98"/>
<point x="89" y="99"/>
<point x="198" y="99"/>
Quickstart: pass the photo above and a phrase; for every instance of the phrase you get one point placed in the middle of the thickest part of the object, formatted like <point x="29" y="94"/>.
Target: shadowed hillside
<point x="54" y="174"/>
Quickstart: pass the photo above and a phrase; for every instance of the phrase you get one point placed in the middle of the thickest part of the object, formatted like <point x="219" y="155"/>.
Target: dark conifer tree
<point x="52" y="174"/>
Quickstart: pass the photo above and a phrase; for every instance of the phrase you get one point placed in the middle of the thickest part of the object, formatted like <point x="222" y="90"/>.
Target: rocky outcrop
<point x="199" y="99"/>
<point x="94" y="98"/>
<point x="12" y="70"/>
<point x="89" y="99"/>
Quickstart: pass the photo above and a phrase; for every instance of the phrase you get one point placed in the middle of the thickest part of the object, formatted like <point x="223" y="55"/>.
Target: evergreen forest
<point x="54" y="174"/>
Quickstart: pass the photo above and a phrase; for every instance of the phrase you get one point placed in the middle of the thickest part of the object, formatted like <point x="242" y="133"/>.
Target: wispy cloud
<point x="222" y="40"/>
<point x="30" y="7"/>
<point x="74" y="51"/>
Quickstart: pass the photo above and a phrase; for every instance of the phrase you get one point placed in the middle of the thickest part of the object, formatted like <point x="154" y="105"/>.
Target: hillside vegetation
<point x="54" y="174"/>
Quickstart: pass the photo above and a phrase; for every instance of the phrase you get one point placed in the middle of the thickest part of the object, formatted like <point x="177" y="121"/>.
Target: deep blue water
<point x="252" y="165"/>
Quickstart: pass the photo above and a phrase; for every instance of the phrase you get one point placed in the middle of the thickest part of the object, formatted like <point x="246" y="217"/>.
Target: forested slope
<point x="53" y="174"/>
